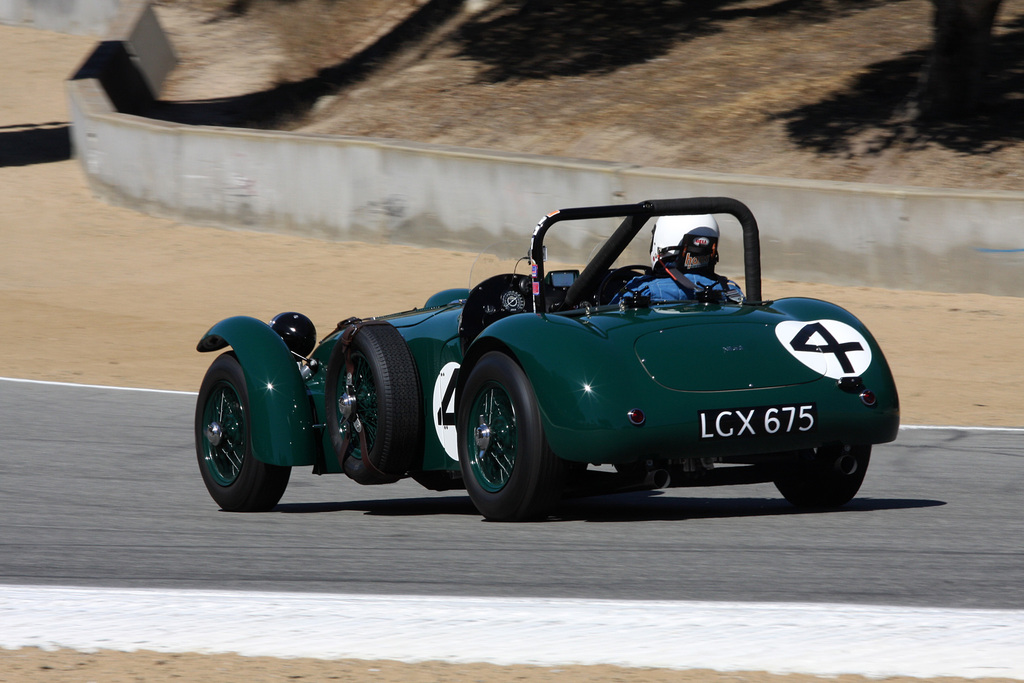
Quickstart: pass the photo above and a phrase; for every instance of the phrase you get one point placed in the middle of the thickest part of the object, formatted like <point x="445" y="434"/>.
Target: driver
<point x="684" y="251"/>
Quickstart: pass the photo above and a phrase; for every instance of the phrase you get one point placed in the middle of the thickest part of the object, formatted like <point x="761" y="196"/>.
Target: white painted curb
<point x="817" y="639"/>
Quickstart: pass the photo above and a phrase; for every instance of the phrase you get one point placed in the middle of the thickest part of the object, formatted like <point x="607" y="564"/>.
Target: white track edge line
<point x="96" y="386"/>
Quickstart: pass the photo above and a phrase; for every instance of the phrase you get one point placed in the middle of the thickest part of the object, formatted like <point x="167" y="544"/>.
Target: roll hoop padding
<point x="636" y="215"/>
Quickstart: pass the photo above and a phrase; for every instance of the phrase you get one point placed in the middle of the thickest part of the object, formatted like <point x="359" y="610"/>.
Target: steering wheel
<point x="617" y="279"/>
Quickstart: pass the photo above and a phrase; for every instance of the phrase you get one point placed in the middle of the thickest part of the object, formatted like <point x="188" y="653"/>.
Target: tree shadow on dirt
<point x="34" y="143"/>
<point x="547" y="38"/>
<point x="520" y="39"/>
<point x="872" y="115"/>
<point x="285" y="101"/>
<point x="266" y="109"/>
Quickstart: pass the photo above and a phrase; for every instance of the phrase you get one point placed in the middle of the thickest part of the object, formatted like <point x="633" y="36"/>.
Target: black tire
<point x="510" y="472"/>
<point x="236" y="480"/>
<point x="388" y="405"/>
<point x="830" y="479"/>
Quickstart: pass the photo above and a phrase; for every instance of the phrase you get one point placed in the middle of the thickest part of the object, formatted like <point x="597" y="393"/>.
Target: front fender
<point x="447" y="296"/>
<point x="281" y="416"/>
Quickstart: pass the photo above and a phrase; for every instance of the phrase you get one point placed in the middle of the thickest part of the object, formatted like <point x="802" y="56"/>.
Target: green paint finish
<point x="588" y="371"/>
<point x="434" y="342"/>
<point x="587" y="375"/>
<point x="281" y="419"/>
<point x="692" y="357"/>
<point x="447" y="296"/>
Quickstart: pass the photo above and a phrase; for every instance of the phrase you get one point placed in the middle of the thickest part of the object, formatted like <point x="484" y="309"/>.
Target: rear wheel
<point x="830" y="479"/>
<point x="236" y="480"/>
<point x="510" y="472"/>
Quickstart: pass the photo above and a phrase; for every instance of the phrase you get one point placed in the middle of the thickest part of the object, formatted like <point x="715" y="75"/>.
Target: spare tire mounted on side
<point x="373" y="402"/>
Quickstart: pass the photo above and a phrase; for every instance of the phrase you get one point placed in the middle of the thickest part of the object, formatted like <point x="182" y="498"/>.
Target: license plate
<point x="737" y="423"/>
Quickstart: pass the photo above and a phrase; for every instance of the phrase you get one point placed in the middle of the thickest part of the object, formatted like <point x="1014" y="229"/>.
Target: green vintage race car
<point x="533" y="386"/>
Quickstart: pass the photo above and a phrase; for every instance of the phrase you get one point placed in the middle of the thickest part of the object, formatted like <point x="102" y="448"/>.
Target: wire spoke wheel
<point x="356" y="412"/>
<point x="494" y="440"/>
<point x="223" y="439"/>
<point x="236" y="479"/>
<point x="509" y="470"/>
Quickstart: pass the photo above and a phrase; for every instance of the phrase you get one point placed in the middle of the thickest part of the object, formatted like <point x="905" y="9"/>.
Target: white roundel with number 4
<point x="827" y="346"/>
<point x="444" y="409"/>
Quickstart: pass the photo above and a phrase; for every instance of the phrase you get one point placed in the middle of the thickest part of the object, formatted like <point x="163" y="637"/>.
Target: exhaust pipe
<point x="846" y="464"/>
<point x="657" y="479"/>
<point x="651" y="480"/>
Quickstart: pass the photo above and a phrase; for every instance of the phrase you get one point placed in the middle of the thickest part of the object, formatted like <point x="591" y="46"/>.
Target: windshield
<point x="570" y="246"/>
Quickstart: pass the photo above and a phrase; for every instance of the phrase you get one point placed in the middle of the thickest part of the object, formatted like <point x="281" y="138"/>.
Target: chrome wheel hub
<point x="346" y="405"/>
<point x="214" y="433"/>
<point x="482" y="436"/>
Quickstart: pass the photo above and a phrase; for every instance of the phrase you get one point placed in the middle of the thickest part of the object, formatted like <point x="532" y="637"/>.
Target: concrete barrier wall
<point x="78" y="17"/>
<point x="861" y="234"/>
<point x="343" y="188"/>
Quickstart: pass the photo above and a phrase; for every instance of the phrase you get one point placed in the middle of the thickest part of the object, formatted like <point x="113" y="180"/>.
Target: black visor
<point x="698" y="254"/>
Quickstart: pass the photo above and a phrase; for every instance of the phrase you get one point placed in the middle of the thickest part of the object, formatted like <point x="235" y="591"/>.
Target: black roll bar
<point x="635" y="216"/>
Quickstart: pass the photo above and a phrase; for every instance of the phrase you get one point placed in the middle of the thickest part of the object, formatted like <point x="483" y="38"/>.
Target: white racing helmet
<point x="669" y="232"/>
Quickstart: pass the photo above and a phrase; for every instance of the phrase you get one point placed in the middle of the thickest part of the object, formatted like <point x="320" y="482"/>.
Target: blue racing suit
<point x="662" y="288"/>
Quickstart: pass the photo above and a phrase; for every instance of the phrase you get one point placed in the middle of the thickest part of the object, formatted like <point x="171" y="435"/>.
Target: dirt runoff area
<point x="118" y="667"/>
<point x="100" y="295"/>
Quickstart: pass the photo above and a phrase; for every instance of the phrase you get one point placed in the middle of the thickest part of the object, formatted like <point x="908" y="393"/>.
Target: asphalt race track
<point x="108" y="540"/>
<point x="100" y="488"/>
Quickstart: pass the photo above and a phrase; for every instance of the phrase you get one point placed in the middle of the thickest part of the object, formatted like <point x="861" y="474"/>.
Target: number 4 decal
<point x="830" y="347"/>
<point x="444" y="409"/>
<point x="801" y="343"/>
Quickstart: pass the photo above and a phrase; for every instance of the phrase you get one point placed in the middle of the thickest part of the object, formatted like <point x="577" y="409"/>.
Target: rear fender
<point x="534" y="342"/>
<point x="281" y="416"/>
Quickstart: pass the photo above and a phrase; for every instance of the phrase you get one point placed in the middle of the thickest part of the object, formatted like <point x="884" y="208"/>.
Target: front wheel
<point x="830" y="478"/>
<point x="510" y="472"/>
<point x="236" y="480"/>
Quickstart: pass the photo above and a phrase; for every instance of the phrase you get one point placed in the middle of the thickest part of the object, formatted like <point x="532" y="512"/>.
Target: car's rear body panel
<point x="714" y="381"/>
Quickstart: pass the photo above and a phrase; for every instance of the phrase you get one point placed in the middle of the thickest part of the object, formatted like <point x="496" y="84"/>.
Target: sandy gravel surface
<point x="67" y="666"/>
<point x="101" y="295"/>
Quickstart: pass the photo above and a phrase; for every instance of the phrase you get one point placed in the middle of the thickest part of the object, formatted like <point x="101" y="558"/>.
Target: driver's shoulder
<point x="702" y="280"/>
<point x="641" y="279"/>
